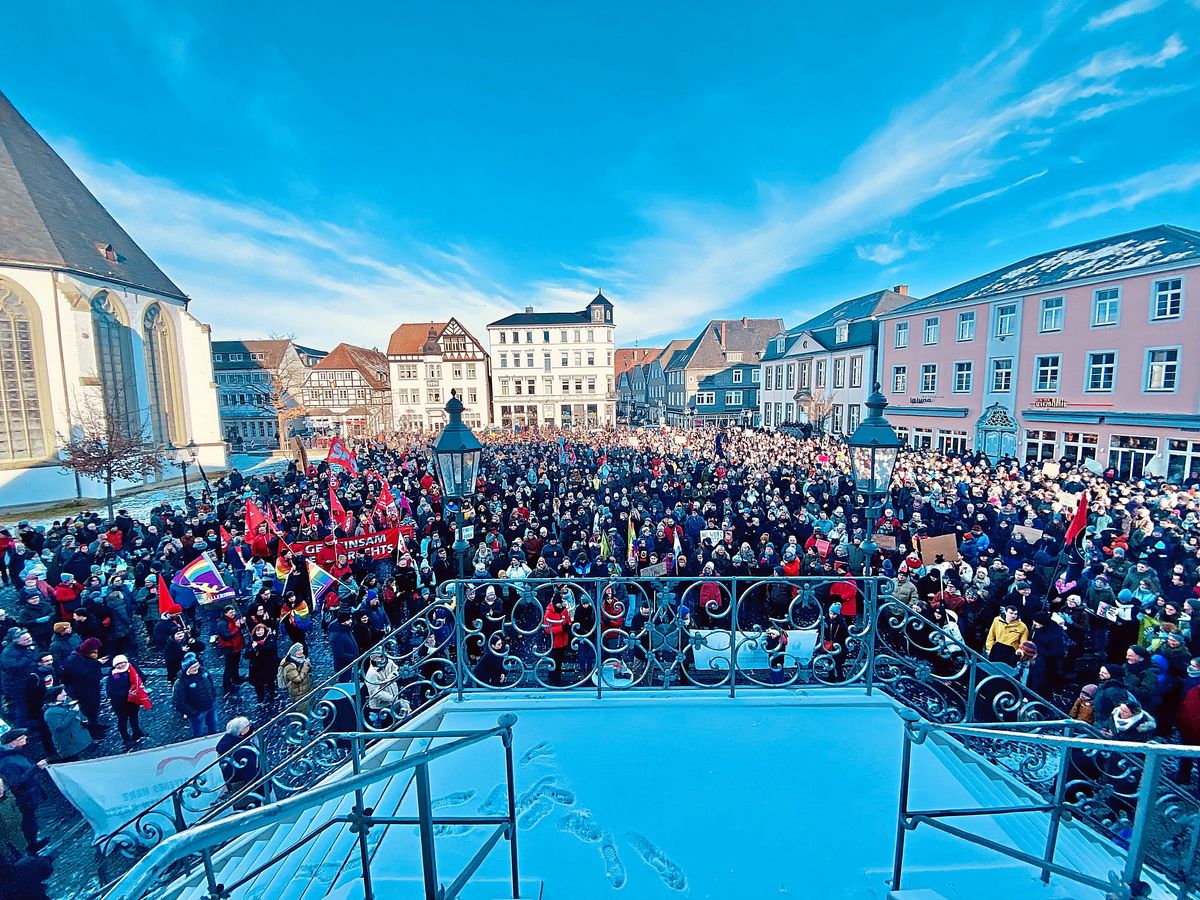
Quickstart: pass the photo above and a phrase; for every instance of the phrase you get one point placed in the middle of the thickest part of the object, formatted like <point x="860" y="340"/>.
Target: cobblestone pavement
<point x="76" y="870"/>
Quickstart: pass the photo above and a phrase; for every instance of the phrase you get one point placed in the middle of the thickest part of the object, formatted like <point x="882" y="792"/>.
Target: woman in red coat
<point x="1187" y="717"/>
<point x="557" y="623"/>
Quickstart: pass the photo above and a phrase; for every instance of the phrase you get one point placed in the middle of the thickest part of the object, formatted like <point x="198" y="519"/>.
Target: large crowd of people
<point x="1102" y="623"/>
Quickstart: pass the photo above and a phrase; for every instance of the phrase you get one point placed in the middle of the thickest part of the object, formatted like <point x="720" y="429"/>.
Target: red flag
<point x="1079" y="521"/>
<point x="165" y="601"/>
<point x="225" y="539"/>
<point x="337" y="512"/>
<point x="254" y="518"/>
<point x="386" y="498"/>
<point x="340" y="455"/>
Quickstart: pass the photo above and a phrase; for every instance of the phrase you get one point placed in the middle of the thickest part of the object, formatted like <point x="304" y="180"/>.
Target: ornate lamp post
<point x="457" y="455"/>
<point x="873" y="451"/>
<point x="184" y="457"/>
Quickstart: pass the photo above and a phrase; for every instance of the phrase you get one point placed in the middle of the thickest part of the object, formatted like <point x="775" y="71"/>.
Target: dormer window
<point x="779" y="345"/>
<point x="109" y="253"/>
<point x="843" y="333"/>
<point x="597" y="314"/>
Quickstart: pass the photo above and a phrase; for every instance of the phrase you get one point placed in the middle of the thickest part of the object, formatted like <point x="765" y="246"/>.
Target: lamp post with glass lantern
<point x="184" y="457"/>
<point x="873" y="451"/>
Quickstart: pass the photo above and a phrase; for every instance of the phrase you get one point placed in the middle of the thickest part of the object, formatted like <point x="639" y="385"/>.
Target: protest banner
<point x="1051" y="469"/>
<point x="658" y="570"/>
<point x="711" y="654"/>
<point x="380" y="544"/>
<point x="716" y="535"/>
<point x="885" y="541"/>
<point x="1027" y="534"/>
<point x="944" y="545"/>
<point x="111" y="790"/>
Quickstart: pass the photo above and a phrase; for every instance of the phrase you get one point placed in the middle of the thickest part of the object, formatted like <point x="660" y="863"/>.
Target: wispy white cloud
<point x="1125" y="10"/>
<point x="995" y="192"/>
<point x="253" y="269"/>
<point x="1132" y="192"/>
<point x="888" y="252"/>
<point x="700" y="260"/>
<point x="1130" y="99"/>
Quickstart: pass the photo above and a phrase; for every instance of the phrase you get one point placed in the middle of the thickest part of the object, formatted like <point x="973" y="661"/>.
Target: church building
<point x="90" y="329"/>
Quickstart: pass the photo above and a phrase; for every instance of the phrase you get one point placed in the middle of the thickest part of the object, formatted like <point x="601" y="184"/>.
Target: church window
<point x="22" y="426"/>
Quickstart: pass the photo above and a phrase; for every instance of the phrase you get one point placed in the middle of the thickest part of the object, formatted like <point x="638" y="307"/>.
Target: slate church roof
<point x="49" y="218"/>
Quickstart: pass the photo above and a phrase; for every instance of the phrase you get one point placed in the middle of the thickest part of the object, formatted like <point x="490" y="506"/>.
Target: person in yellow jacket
<point x="1005" y="636"/>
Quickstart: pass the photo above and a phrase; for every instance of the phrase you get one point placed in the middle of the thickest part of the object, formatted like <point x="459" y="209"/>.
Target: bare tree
<point x="378" y="412"/>
<point x="105" y="449"/>
<point x="818" y="407"/>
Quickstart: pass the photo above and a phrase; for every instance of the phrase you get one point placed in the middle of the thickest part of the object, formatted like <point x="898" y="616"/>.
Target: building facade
<point x="349" y="392"/>
<point x="820" y="373"/>
<point x="1082" y="353"/>
<point x="428" y="360"/>
<point x="260" y="390"/>
<point x="728" y="397"/>
<point x="632" y="390"/>
<point x="554" y="369"/>
<point x="93" y="335"/>
<point x="721" y="344"/>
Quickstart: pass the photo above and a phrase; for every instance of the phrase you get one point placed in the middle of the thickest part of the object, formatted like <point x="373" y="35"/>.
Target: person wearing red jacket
<point x="845" y="592"/>
<point x="66" y="594"/>
<point x="557" y="623"/>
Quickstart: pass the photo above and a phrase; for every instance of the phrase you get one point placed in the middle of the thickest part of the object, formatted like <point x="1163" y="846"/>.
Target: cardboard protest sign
<point x="658" y="570"/>
<point x="1027" y="534"/>
<point x="944" y="545"/>
<point x="885" y="541"/>
<point x="716" y="535"/>
<point x="1051" y="469"/>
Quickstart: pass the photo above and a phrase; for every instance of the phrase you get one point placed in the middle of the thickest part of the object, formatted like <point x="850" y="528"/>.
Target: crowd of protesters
<point x="1105" y="617"/>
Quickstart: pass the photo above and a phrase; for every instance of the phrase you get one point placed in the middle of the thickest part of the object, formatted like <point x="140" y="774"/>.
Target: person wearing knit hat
<point x="1082" y="709"/>
<point x="82" y="676"/>
<point x="195" y="697"/>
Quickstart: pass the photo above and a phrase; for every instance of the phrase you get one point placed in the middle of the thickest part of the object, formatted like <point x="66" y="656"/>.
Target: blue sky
<point x="332" y="176"/>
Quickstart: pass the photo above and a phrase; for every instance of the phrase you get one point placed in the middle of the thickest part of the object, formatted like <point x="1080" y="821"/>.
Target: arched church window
<point x="114" y="365"/>
<point x="22" y="422"/>
<point x="160" y="376"/>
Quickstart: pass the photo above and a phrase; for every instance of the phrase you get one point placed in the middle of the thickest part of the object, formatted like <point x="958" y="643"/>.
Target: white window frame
<point x="965" y="328"/>
<point x="737" y="376"/>
<point x="996" y="369"/>
<point x="856" y="371"/>
<point x="899" y="379"/>
<point x="839" y="373"/>
<point x="841" y="333"/>
<point x="900" y="336"/>
<point x="1051" y="318"/>
<point x="1156" y="290"/>
<point x="1111" y="307"/>
<point x="969" y="372"/>
<point x="1050" y="387"/>
<point x="932" y="326"/>
<point x="1090" y="364"/>
<point x="733" y="398"/>
<point x="1006" y="320"/>
<point x="929" y="370"/>
<point x="1149" y="369"/>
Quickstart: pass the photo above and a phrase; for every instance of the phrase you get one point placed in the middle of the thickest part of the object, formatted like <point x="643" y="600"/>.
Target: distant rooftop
<point x="531" y="318"/>
<point x="1154" y="246"/>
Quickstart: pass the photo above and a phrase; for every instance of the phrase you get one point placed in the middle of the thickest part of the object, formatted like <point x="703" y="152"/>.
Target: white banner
<point x="111" y="790"/>
<point x="751" y="650"/>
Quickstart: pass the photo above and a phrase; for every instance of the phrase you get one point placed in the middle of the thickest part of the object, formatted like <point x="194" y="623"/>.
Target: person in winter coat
<point x="383" y="690"/>
<point x="17" y="662"/>
<point x="36" y="615"/>
<point x="1007" y="633"/>
<point x="240" y="762"/>
<point x="556" y="622"/>
<point x="21" y="777"/>
<point x="82" y="674"/>
<point x="1187" y="718"/>
<point x="342" y="644"/>
<point x="63" y="644"/>
<point x="180" y="644"/>
<point x="296" y="618"/>
<point x="490" y="668"/>
<point x="231" y="641"/>
<point x="263" y="658"/>
<point x="68" y="728"/>
<point x="1045" y="674"/>
<point x="1141" y="675"/>
<point x="23" y="874"/>
<point x="196" y="697"/>
<point x="1111" y="693"/>
<point x="1082" y="709"/>
<point x="1130" y="722"/>
<point x="128" y="697"/>
<point x="295" y="672"/>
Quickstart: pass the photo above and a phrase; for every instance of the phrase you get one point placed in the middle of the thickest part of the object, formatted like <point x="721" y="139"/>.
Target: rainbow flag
<point x="319" y="580"/>
<point x="202" y="577"/>
<point x="283" y="569"/>
<point x="629" y="550"/>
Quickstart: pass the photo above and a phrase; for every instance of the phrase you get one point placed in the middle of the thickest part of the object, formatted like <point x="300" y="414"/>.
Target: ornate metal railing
<point x="607" y="635"/>
<point x="201" y="841"/>
<point x="1071" y="766"/>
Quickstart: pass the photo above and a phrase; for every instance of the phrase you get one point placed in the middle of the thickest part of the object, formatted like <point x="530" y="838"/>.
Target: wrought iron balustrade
<point x="701" y="633"/>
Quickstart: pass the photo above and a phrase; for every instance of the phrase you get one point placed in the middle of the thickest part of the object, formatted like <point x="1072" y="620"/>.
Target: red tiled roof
<point x="371" y="364"/>
<point x="625" y="358"/>
<point x="410" y="337"/>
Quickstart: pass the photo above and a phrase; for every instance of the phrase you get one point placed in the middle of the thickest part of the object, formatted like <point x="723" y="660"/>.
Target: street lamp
<point x="457" y="454"/>
<point x="184" y="457"/>
<point x="873" y="451"/>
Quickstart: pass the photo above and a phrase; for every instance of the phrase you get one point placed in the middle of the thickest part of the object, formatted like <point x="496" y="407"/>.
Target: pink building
<point x="1089" y="352"/>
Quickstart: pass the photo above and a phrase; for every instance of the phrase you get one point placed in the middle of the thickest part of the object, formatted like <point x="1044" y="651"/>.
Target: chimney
<point x="722" y="335"/>
<point x="901" y="289"/>
<point x="529" y="309"/>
